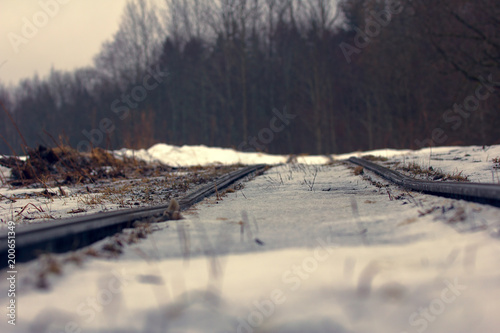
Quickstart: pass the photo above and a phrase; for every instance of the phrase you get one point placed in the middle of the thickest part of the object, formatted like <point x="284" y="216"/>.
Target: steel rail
<point x="73" y="233"/>
<point x="477" y="192"/>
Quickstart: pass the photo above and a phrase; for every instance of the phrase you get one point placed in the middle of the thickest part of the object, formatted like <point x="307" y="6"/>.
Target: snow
<point x="203" y="155"/>
<point x="474" y="161"/>
<point x="200" y="155"/>
<point x="302" y="248"/>
<point x="33" y="204"/>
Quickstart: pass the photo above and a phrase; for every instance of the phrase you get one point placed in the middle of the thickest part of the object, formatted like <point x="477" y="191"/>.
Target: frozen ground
<point x="303" y="248"/>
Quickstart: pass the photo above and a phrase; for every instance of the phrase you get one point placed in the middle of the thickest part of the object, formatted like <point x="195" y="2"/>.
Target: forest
<point x="279" y="76"/>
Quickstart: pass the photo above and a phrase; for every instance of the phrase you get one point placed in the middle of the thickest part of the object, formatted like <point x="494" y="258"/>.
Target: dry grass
<point x="77" y="211"/>
<point x="375" y="183"/>
<point x="91" y="201"/>
<point x="458" y="177"/>
<point x="39" y="209"/>
<point x="496" y="162"/>
<point x="65" y="165"/>
<point x="433" y="174"/>
<point x="30" y="211"/>
<point x="358" y="170"/>
<point x="228" y="190"/>
<point x="373" y="158"/>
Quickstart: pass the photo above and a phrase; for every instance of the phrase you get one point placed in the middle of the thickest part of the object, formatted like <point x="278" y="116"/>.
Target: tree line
<point x="281" y="76"/>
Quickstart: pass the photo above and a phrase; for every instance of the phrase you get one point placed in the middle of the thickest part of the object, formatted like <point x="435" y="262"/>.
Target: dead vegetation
<point x="430" y="173"/>
<point x="496" y="162"/>
<point x="358" y="170"/>
<point x="173" y="211"/>
<point x="375" y="183"/>
<point x="373" y="158"/>
<point x="64" y="165"/>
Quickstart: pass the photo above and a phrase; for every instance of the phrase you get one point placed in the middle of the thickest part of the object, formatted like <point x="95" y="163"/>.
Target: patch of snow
<point x="200" y="155"/>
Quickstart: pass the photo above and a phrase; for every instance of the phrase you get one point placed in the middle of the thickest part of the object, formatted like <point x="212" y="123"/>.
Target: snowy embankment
<point x="475" y="161"/>
<point x="302" y="248"/>
<point x="199" y="155"/>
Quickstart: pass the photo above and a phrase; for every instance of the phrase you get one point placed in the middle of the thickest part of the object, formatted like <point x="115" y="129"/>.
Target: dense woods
<point x="282" y="76"/>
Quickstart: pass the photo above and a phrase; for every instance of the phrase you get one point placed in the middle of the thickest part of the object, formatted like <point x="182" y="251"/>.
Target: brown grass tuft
<point x="432" y="174"/>
<point x="358" y="170"/>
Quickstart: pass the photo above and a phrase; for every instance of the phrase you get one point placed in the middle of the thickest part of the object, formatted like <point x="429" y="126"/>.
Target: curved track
<point x="477" y="192"/>
<point x="73" y="233"/>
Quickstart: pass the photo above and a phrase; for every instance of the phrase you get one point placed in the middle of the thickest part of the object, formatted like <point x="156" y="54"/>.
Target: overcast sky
<point x="68" y="37"/>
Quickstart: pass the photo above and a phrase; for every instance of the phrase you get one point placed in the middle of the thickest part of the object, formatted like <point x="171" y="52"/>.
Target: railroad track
<point x="73" y="233"/>
<point x="477" y="192"/>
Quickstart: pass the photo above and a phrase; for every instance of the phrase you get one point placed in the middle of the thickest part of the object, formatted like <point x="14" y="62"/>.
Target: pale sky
<point x="68" y="37"/>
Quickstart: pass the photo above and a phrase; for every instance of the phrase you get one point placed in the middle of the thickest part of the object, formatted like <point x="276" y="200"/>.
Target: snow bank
<point x="200" y="155"/>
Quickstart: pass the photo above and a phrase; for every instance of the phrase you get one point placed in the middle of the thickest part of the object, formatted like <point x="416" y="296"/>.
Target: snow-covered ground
<point x="302" y="248"/>
<point x="474" y="161"/>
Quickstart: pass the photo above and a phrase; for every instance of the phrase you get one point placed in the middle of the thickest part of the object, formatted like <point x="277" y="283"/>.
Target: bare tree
<point x="465" y="34"/>
<point x="136" y="45"/>
<point x="184" y="19"/>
